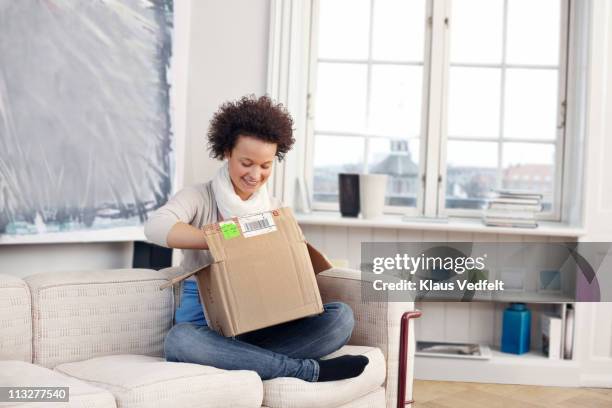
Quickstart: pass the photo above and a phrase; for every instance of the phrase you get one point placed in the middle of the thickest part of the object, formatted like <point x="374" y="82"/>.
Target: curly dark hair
<point x="260" y="117"/>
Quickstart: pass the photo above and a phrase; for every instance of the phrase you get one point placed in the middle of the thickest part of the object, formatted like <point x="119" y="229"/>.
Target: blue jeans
<point x="284" y="350"/>
<point x="190" y="309"/>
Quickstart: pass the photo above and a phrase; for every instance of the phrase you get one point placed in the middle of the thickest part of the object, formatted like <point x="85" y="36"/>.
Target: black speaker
<point x="348" y="189"/>
<point x="151" y="256"/>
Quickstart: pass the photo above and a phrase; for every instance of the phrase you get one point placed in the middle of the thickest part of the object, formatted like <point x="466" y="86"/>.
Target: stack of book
<point x="513" y="209"/>
<point x="551" y="328"/>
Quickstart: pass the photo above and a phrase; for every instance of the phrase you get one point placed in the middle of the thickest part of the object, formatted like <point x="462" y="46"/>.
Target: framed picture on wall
<point x="87" y="146"/>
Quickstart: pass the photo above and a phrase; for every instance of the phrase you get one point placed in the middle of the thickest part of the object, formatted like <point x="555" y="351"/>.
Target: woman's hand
<point x="185" y="236"/>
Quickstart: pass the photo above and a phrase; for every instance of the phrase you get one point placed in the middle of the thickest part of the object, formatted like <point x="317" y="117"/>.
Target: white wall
<point x="227" y="58"/>
<point x="594" y="320"/>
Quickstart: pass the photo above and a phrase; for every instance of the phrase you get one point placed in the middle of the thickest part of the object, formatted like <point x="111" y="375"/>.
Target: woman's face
<point x="250" y="164"/>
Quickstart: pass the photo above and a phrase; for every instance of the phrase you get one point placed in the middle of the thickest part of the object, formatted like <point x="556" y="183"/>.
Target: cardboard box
<point x="263" y="273"/>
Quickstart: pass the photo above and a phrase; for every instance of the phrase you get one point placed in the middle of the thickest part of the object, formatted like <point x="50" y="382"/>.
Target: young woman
<point x="247" y="135"/>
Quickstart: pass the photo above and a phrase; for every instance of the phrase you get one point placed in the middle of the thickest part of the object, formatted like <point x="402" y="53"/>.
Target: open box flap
<point x="182" y="277"/>
<point x="319" y="261"/>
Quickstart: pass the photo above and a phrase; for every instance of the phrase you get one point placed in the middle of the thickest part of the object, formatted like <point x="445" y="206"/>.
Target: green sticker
<point x="229" y="230"/>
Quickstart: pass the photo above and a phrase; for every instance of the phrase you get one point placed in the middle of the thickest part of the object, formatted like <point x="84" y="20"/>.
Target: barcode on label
<point x="252" y="225"/>
<point x="256" y="225"/>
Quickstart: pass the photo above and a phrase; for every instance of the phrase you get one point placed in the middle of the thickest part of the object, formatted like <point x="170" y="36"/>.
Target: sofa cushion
<point x="81" y="394"/>
<point x="15" y="319"/>
<point x="375" y="399"/>
<point x="294" y="393"/>
<point x="81" y="315"/>
<point x="150" y="382"/>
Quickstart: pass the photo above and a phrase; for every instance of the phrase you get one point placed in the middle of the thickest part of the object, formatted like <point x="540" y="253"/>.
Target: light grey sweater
<point x="194" y="205"/>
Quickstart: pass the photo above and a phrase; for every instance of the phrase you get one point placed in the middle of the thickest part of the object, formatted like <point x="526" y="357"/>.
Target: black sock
<point x="341" y="367"/>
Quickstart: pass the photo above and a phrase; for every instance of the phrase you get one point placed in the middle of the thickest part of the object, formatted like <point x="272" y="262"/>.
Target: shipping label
<point x="252" y="225"/>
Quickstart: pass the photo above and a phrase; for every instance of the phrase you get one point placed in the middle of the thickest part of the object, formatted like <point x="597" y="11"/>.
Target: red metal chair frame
<point x="403" y="357"/>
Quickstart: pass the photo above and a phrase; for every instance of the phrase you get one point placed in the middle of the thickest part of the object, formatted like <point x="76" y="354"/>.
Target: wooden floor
<point x="440" y="394"/>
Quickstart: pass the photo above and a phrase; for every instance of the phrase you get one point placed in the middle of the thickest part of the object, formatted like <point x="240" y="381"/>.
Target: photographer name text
<point x="429" y="285"/>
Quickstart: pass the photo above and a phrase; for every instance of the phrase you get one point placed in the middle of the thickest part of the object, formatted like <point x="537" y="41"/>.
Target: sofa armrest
<point x="15" y="319"/>
<point x="377" y="323"/>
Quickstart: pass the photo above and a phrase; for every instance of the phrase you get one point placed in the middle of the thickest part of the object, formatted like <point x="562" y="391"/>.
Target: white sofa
<point x="101" y="334"/>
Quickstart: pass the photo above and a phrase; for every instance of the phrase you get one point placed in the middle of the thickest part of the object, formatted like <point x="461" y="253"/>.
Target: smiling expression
<point x="250" y="164"/>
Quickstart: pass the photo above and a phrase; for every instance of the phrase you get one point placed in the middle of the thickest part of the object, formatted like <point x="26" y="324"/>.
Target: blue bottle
<point x="516" y="331"/>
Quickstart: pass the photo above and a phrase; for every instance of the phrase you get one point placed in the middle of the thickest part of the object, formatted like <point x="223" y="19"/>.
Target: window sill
<point x="546" y="228"/>
<point x="119" y="234"/>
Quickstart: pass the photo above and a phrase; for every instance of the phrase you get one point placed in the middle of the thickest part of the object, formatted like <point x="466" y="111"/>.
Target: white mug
<point x="372" y="190"/>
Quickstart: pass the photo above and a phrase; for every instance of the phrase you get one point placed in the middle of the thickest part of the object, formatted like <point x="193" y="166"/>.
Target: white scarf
<point x="230" y="204"/>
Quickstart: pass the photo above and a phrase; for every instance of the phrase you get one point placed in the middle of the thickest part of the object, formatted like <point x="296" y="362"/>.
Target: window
<point x="368" y="96"/>
<point x="452" y="99"/>
<point x="505" y="89"/>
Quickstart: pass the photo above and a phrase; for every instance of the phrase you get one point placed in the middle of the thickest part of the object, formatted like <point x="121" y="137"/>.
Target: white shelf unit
<point x="447" y="321"/>
<point x="531" y="368"/>
<point x="341" y="241"/>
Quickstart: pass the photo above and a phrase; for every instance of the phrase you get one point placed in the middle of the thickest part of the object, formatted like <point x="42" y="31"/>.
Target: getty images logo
<point x="412" y="264"/>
